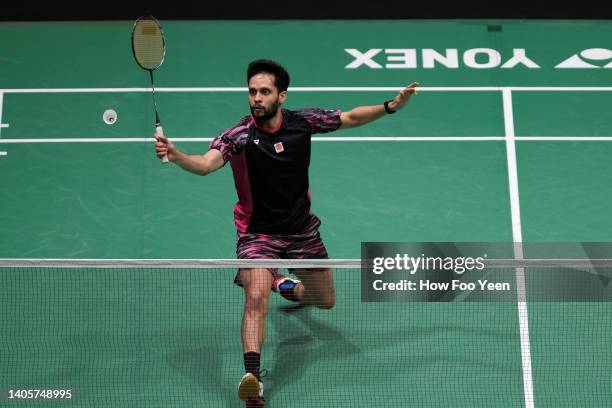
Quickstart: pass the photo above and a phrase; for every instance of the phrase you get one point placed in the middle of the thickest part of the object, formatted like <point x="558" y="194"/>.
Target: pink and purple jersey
<point x="270" y="169"/>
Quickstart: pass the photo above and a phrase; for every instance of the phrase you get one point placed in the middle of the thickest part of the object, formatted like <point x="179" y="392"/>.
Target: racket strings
<point x="148" y="44"/>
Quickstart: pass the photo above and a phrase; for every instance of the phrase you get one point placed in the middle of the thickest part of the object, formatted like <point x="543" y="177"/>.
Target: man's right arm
<point x="198" y="164"/>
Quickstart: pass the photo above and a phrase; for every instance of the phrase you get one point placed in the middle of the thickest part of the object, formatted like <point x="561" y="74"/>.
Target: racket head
<point x="148" y="43"/>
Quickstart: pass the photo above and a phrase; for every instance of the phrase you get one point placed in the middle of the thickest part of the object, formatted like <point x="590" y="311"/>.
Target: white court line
<point x="244" y="89"/>
<point x="564" y="138"/>
<point x="82" y="140"/>
<point x="1" y="103"/>
<point x="2" y="153"/>
<point x="4" y="125"/>
<point x="517" y="235"/>
<point x="328" y="139"/>
<point x="408" y="139"/>
<point x="314" y="139"/>
<point x="111" y="90"/>
<point x="559" y="88"/>
<point x="310" y="89"/>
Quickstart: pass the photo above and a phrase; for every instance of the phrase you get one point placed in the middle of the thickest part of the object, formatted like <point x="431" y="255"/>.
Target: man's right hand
<point x="163" y="147"/>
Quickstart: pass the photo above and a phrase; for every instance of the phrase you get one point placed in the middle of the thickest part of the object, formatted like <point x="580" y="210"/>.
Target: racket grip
<point x="160" y="132"/>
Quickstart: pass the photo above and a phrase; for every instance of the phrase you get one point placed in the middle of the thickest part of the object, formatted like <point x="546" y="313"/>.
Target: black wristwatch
<point x="387" y="109"/>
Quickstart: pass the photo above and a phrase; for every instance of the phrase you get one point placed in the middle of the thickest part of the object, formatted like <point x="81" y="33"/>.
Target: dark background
<point x="304" y="9"/>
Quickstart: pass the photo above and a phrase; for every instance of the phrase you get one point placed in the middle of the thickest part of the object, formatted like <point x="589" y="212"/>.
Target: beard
<point x="265" y="113"/>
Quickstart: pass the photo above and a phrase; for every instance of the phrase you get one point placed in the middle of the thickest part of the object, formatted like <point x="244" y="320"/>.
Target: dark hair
<point x="281" y="76"/>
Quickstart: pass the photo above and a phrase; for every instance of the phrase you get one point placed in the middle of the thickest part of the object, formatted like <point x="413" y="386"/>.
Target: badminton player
<point x="269" y="152"/>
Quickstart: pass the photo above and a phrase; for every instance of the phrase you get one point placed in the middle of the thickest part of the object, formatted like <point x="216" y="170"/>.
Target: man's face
<point x="264" y="98"/>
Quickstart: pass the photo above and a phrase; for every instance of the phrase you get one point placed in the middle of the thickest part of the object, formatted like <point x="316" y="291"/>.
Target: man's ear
<point x="282" y="96"/>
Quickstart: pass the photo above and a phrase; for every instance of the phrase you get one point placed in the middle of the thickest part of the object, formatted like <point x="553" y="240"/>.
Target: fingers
<point x="409" y="90"/>
<point x="162" y="145"/>
<point x="412" y="88"/>
<point x="404" y="95"/>
<point x="161" y="151"/>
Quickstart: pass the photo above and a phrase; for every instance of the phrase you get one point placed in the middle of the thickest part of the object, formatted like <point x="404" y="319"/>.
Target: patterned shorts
<point x="306" y="244"/>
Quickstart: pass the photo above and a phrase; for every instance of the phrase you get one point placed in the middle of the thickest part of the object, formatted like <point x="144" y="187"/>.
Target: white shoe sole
<point x="249" y="387"/>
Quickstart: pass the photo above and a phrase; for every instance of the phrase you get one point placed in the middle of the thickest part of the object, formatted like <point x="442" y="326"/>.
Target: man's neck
<point x="272" y="123"/>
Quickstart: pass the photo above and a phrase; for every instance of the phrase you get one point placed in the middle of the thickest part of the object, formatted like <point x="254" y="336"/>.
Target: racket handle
<point x="160" y="132"/>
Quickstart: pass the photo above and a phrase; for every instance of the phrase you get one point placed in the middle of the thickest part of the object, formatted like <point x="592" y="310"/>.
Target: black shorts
<point x="307" y="244"/>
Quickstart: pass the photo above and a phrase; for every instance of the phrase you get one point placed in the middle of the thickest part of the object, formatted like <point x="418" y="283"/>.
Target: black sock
<point x="251" y="363"/>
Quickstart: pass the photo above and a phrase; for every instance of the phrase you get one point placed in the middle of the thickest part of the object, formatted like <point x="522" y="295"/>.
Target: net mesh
<point x="167" y="334"/>
<point x="148" y="43"/>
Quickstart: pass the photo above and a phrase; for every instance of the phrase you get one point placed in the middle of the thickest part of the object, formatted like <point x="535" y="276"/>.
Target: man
<point x="269" y="152"/>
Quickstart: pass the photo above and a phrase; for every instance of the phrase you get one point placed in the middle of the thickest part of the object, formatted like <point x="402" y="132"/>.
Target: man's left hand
<point x="402" y="98"/>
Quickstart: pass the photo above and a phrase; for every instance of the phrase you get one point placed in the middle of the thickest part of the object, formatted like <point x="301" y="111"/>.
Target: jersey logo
<point x="278" y="147"/>
<point x="256" y="141"/>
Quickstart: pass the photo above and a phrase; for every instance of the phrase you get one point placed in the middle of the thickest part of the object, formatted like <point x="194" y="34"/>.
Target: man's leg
<point x="257" y="285"/>
<point x="316" y="288"/>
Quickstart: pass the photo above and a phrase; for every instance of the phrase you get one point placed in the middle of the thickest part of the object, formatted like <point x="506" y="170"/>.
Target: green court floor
<point x="72" y="186"/>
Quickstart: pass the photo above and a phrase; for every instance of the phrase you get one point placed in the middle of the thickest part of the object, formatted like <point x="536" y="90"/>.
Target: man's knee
<point x="257" y="300"/>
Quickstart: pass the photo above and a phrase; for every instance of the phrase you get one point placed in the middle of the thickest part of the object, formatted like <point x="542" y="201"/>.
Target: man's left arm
<point x="366" y="114"/>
